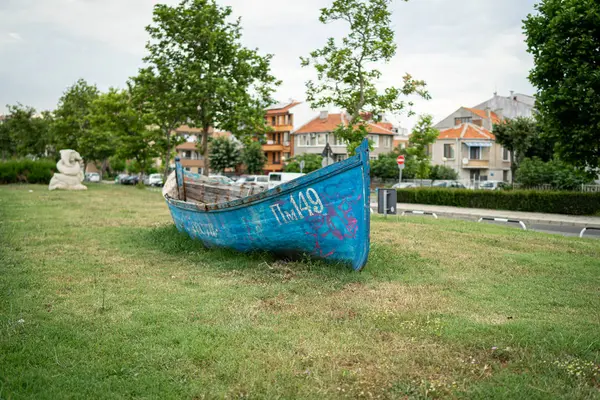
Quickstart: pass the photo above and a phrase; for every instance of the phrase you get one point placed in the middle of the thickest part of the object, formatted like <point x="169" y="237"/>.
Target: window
<point x="375" y="140"/>
<point x="274" y="177"/>
<point x="505" y="176"/>
<point x="188" y="169"/>
<point x="449" y="151"/>
<point x="505" y="155"/>
<point x="286" y="136"/>
<point x="322" y="139"/>
<point x="302" y="140"/>
<point x="276" y="159"/>
<point x="372" y="157"/>
<point x="387" y="141"/>
<point x="338" y="141"/>
<point x="286" y="156"/>
<point x="475" y="153"/>
<point x="200" y="171"/>
<point x="272" y="120"/>
<point x="462" y="120"/>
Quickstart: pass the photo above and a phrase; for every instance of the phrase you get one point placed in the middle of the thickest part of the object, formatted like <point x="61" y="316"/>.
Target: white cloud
<point x="464" y="49"/>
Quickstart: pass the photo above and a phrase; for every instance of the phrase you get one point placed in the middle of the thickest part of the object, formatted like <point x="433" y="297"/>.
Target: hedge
<point x="571" y="203"/>
<point x="27" y="171"/>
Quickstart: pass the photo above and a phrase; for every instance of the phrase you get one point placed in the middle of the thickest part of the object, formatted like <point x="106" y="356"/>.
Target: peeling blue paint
<point x="324" y="214"/>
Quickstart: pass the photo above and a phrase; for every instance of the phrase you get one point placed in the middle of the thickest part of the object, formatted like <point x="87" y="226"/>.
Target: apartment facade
<point x="312" y="137"/>
<point x="189" y="154"/>
<point x="472" y="151"/>
<point x="279" y="146"/>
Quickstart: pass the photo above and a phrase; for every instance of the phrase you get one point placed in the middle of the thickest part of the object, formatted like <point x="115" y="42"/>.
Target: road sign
<point x="301" y="165"/>
<point x="400" y="160"/>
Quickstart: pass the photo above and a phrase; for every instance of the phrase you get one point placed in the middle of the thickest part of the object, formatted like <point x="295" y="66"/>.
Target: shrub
<point x="441" y="172"/>
<point x="571" y="203"/>
<point x="27" y="171"/>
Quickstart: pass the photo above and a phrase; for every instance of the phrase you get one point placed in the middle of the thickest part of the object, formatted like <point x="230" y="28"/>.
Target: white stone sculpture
<point x="71" y="175"/>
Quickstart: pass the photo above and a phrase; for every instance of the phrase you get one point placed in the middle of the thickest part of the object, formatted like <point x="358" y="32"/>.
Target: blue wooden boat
<point x="325" y="214"/>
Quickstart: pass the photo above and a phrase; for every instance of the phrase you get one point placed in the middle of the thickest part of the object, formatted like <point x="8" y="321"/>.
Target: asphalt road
<point x="564" y="230"/>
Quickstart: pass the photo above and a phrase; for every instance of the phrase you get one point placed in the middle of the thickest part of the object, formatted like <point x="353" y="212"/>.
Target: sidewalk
<point x="476" y="213"/>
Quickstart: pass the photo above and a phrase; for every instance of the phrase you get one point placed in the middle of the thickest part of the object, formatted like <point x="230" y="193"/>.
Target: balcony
<point x="477" y="164"/>
<point x="272" y="146"/>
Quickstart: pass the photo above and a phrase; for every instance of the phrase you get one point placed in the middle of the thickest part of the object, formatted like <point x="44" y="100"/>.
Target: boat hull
<point x="324" y="215"/>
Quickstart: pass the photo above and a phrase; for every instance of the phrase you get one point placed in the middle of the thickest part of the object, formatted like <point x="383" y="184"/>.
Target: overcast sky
<point x="464" y="49"/>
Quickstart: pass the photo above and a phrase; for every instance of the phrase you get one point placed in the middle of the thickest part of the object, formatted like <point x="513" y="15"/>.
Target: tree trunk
<point x="205" y="151"/>
<point x="168" y="155"/>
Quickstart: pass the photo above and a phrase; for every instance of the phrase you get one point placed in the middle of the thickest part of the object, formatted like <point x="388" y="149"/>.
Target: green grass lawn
<point x="101" y="297"/>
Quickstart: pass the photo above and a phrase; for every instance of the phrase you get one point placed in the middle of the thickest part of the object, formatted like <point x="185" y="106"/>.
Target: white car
<point x="490" y="185"/>
<point x="404" y="185"/>
<point x="92" y="177"/>
<point x="261" y="180"/>
<point x="154" y="180"/>
<point x="277" y="178"/>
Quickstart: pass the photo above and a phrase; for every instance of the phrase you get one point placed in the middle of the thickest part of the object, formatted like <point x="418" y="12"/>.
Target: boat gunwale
<point x="284" y="188"/>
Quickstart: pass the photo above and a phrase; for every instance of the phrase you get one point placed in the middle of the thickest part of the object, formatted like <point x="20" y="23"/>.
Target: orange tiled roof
<point x="318" y="125"/>
<point x="483" y="114"/>
<point x="282" y="110"/>
<point x="466" y="131"/>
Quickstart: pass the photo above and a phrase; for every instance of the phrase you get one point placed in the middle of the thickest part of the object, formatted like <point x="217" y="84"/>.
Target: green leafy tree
<point x="158" y="91"/>
<point x="312" y="162"/>
<point x="385" y="167"/>
<point x="117" y="164"/>
<point x="423" y="136"/>
<point x="518" y="136"/>
<point x="345" y="69"/>
<point x="254" y="158"/>
<point x="442" y="172"/>
<point x="224" y="84"/>
<point x="224" y="153"/>
<point x="24" y="132"/>
<point x="558" y="174"/>
<point x="72" y="115"/>
<point x="564" y="38"/>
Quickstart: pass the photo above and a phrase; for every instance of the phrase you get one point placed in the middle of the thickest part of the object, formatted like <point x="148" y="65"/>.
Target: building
<point x="513" y="106"/>
<point x="189" y="152"/>
<point x="283" y="118"/>
<point x="312" y="137"/>
<point x="472" y="151"/>
<point x="482" y="118"/>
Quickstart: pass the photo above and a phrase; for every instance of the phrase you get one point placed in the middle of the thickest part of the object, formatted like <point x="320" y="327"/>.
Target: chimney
<point x="323" y="115"/>
<point x="488" y="123"/>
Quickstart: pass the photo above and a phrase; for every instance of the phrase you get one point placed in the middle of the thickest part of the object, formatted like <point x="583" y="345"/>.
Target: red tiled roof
<point x="318" y="125"/>
<point x="282" y="110"/>
<point x="483" y="114"/>
<point x="466" y="131"/>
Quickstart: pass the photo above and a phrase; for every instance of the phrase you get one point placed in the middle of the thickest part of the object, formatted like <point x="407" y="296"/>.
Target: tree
<point x="103" y="137"/>
<point x="224" y="84"/>
<point x="157" y="90"/>
<point x="254" y="158"/>
<point x="564" y="38"/>
<point x="24" y="132"/>
<point x="346" y="77"/>
<point x="312" y="162"/>
<point x="518" y="136"/>
<point x="441" y="172"/>
<point x="224" y="153"/>
<point x="385" y="167"/>
<point x="422" y="137"/>
<point x="72" y="115"/>
<point x="535" y="172"/>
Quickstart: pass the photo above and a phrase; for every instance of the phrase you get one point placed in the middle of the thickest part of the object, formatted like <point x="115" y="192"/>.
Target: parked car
<point x="131" y="180"/>
<point x="92" y="177"/>
<point x="491" y="185"/>
<point x="277" y="178"/>
<point x="119" y="178"/>
<point x="448" y="184"/>
<point x="404" y="185"/>
<point x="262" y="180"/>
<point x="154" y="180"/>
